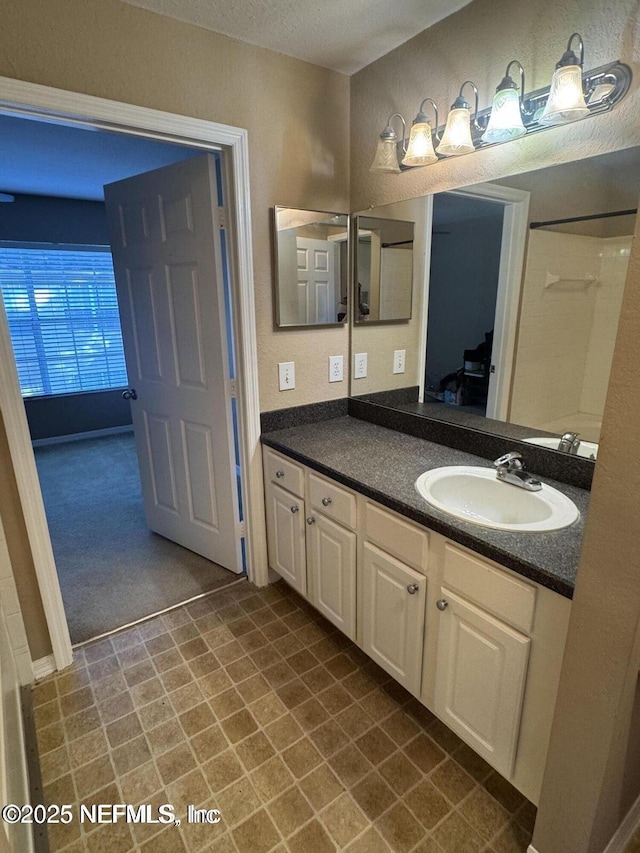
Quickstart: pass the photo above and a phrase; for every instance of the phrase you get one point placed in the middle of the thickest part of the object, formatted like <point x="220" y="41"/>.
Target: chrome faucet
<point x="569" y="443"/>
<point x="511" y="470"/>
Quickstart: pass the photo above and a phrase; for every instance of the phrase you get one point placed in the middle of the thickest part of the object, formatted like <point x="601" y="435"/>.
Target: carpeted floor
<point x="112" y="569"/>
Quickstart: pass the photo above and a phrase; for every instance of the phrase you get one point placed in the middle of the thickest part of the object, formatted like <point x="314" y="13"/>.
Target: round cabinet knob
<point x="311" y="520"/>
<point x="326" y="501"/>
<point x="442" y="604"/>
<point x="279" y="474"/>
<point x="130" y="394"/>
<point x="294" y="508"/>
<point x="412" y="588"/>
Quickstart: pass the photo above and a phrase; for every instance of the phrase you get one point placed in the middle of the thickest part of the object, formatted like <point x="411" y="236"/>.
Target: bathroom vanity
<point x="471" y="621"/>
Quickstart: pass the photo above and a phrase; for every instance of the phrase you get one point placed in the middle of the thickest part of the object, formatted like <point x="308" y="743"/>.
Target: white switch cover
<point x="360" y="365"/>
<point x="399" y="357"/>
<point x="335" y="368"/>
<point x="287" y="375"/>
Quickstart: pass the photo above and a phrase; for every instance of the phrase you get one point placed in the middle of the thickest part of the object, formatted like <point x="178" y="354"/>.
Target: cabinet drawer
<point x="284" y="472"/>
<point x="493" y="589"/>
<point x="397" y="537"/>
<point x="332" y="500"/>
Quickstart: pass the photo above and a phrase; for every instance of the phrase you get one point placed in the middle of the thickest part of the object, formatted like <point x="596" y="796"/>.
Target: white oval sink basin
<point x="587" y="449"/>
<point x="476" y="495"/>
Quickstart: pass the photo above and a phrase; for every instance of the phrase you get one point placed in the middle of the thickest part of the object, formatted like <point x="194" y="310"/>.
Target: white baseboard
<point x="624" y="832"/>
<point x="43" y="667"/>
<point x="79" y="436"/>
<point x="531" y="849"/>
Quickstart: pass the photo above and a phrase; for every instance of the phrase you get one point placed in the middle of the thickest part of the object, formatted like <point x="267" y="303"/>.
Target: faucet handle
<point x="510" y="460"/>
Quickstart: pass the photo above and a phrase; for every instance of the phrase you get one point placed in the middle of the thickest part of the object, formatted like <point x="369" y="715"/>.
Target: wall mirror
<point x="311" y="259"/>
<point x="518" y="287"/>
<point x="383" y="270"/>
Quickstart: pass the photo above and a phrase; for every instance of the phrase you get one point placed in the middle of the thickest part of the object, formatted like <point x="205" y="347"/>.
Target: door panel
<point x="286" y="536"/>
<point x="393" y="618"/>
<point x="480" y="678"/>
<point x="332" y="572"/>
<point x="167" y="262"/>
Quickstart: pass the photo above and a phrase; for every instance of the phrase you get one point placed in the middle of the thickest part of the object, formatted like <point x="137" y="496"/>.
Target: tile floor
<point x="249" y="702"/>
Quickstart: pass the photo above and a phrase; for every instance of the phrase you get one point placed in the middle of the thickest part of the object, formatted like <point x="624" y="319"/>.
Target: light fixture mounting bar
<point x="613" y="80"/>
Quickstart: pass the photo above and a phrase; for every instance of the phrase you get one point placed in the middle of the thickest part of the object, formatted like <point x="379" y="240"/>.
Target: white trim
<point x="43" y="667"/>
<point x="80" y="436"/>
<point x="424" y="307"/>
<point x="624" y="833"/>
<point x="19" y="97"/>
<point x="531" y="849"/>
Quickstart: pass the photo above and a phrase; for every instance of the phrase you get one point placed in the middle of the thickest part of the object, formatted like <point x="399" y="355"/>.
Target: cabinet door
<point x="480" y="679"/>
<point x="393" y="616"/>
<point x="286" y="535"/>
<point x="331" y="558"/>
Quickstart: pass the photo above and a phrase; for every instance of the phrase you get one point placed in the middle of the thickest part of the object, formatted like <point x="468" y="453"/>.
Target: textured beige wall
<point x="291" y="110"/>
<point x="20" y="555"/>
<point x="476" y="43"/>
<point x="297" y="116"/>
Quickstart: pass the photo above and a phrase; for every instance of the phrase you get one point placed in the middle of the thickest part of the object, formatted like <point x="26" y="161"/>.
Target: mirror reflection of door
<point x="463" y="286"/>
<point x="311" y="264"/>
<point x="384" y="269"/>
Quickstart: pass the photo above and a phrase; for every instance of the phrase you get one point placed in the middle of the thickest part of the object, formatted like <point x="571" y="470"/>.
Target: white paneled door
<point x="316" y="281"/>
<point x="165" y="239"/>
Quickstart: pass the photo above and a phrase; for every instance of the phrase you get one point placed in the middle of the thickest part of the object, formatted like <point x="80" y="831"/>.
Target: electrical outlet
<point x="335" y="368"/>
<point x="399" y="357"/>
<point x="287" y="375"/>
<point x="360" y="365"/>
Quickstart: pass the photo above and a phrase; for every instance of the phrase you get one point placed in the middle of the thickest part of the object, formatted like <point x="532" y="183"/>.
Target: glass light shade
<point x="505" y="122"/>
<point x="566" y="98"/>
<point x="457" y="134"/>
<point x="386" y="159"/>
<point x="420" y="149"/>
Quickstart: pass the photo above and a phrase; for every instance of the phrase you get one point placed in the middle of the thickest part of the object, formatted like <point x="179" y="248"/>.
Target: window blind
<point x="63" y="318"/>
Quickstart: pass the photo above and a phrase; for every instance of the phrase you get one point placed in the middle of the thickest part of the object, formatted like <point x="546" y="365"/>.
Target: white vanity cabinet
<point x="478" y="644"/>
<point x="392" y="593"/>
<point x="285" y="509"/>
<point x="311" y="538"/>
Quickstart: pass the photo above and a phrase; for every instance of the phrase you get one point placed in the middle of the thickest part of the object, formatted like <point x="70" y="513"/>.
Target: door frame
<point x="45" y="103"/>
<point x="512" y="252"/>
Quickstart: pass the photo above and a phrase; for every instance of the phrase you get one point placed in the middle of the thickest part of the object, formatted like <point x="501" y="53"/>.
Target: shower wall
<point x="567" y="331"/>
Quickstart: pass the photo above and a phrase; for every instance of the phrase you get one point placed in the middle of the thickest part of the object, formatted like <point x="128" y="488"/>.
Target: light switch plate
<point x="399" y="357"/>
<point x="335" y="368"/>
<point x="287" y="375"/>
<point x="360" y="365"/>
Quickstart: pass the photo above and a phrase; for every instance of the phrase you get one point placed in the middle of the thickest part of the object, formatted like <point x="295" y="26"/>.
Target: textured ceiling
<point x="344" y="36"/>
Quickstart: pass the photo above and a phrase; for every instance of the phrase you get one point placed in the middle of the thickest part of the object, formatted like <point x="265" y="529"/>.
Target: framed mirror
<point x="383" y="280"/>
<point x="517" y="307"/>
<point x="311" y="262"/>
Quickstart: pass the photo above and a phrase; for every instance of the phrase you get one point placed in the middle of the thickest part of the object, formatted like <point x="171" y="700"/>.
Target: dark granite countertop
<point x="384" y="464"/>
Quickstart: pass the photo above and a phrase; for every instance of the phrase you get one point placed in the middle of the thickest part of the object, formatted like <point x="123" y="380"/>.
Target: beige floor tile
<point x="175" y="763"/>
<point x="239" y="726"/>
<point x="369" y="842"/>
<point x="123" y="730"/>
<point x="344" y="820"/>
<point x="400" y="829"/>
<point x="131" y="755"/>
<point x="140" y="783"/>
<point x="427" y="804"/>
<point x="350" y="765"/>
<point x="290" y="811"/>
<point x="223" y="770"/>
<point x="191" y="789"/>
<point x="314" y="837"/>
<point x="455" y="835"/>
<point x="284" y="731"/>
<point x="399" y="772"/>
<point x="165" y="736"/>
<point x="272" y="778"/>
<point x="512" y="839"/>
<point x="256" y="835"/>
<point x="254" y="750"/>
<point x="321" y="786"/>
<point x="484" y="813"/>
<point x="302" y="757"/>
<point x="328" y="738"/>
<point x="208" y="743"/>
<point x="94" y="776"/>
<point x="373" y="795"/>
<point x="424" y="753"/>
<point x="375" y="745"/>
<point x="453" y="781"/>
<point x="55" y="764"/>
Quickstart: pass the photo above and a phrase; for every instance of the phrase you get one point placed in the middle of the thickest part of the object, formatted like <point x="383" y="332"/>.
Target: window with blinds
<point x="63" y="318"/>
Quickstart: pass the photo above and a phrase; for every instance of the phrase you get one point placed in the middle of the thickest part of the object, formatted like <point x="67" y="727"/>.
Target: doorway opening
<point x="466" y="244"/>
<point x="240" y="416"/>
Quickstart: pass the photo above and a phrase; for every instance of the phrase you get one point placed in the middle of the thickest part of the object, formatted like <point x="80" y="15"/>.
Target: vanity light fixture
<point x="505" y="121"/>
<point x="386" y="159"/>
<point x="457" y="134"/>
<point x="572" y="95"/>
<point x="420" y="149"/>
<point x="566" y="97"/>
